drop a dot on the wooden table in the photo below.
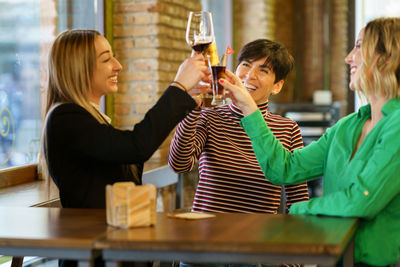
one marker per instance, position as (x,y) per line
(235,238)
(51,232)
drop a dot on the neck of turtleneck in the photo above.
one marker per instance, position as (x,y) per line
(236,111)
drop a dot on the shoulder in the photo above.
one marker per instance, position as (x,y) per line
(391,124)
(67,107)
(394,118)
(275,119)
(68,111)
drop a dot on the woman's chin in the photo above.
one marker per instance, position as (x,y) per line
(352,86)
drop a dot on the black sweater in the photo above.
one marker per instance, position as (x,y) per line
(84,155)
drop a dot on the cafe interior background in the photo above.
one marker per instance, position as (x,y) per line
(148,38)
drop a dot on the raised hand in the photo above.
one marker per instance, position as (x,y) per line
(191,71)
(238,93)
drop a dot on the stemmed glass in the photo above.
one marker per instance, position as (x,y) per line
(199,31)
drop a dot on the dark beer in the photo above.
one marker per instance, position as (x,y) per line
(207,99)
(218,72)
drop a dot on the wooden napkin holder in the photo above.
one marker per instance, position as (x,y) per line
(129,205)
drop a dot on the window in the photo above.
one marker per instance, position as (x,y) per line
(27,28)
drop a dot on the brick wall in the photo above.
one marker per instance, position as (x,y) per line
(339,73)
(149,41)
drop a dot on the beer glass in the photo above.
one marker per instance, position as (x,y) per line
(218,72)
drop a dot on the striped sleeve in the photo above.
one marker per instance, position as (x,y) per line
(298,192)
(187,143)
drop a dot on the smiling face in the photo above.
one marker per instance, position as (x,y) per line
(354,59)
(107,67)
(259,79)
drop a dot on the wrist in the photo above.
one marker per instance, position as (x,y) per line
(249,109)
(179,85)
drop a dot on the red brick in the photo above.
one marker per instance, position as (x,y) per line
(118,19)
(143,108)
(145,88)
(137,53)
(120,43)
(122,109)
(142,18)
(134,31)
(138,76)
(127,122)
(125,98)
(123,87)
(135,7)
(145,64)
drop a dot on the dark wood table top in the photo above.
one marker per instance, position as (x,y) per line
(51,227)
(241,234)
(238,233)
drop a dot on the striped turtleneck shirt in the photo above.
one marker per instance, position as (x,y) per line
(230,178)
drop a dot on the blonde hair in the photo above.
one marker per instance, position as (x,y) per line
(379,73)
(71,63)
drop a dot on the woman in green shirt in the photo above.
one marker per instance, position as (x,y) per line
(359,157)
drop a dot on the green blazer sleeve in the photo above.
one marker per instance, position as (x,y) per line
(358,187)
(374,186)
(278,164)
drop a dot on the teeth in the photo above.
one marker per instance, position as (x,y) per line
(114,79)
(249,86)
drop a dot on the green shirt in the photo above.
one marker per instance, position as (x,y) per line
(367,186)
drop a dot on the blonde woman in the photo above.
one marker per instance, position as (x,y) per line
(359,157)
(82,151)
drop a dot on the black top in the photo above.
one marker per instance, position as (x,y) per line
(84,155)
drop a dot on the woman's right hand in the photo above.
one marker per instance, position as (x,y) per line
(191,71)
(238,93)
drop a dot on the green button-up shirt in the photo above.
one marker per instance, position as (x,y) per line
(366,186)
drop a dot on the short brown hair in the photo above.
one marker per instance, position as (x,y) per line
(278,57)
